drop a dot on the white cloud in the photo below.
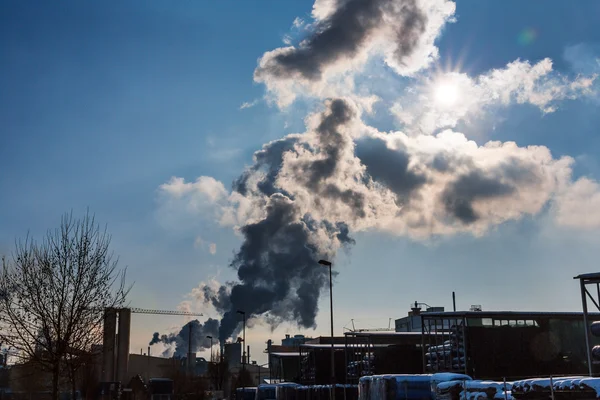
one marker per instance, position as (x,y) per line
(298,23)
(249,104)
(204,186)
(200,243)
(520,82)
(578,205)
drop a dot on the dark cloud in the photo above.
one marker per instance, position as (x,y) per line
(345,33)
(459,196)
(199,341)
(389,167)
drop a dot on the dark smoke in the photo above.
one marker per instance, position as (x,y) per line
(268,160)
(459,196)
(277,264)
(181,340)
(389,167)
(343,35)
(333,144)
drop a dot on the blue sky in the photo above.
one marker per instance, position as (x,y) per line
(101,103)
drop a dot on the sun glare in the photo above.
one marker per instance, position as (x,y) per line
(446,93)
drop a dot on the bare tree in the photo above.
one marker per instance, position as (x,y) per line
(53,293)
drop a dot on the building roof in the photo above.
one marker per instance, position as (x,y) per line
(507,314)
(322,346)
(288,354)
(382,333)
(590,276)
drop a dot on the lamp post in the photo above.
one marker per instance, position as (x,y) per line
(328,264)
(243,313)
(211,346)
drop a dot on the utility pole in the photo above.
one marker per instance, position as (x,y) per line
(328,264)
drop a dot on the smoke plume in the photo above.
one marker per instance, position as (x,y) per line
(277,264)
(346,31)
(303,194)
(181,340)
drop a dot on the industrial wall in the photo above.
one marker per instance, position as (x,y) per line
(151,367)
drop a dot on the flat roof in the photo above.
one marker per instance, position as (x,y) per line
(382,333)
(341,346)
(593,275)
(289,354)
(323,346)
(513,314)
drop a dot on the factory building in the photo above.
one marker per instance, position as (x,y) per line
(505,344)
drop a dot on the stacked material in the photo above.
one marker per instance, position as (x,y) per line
(266,392)
(323,392)
(473,390)
(450,355)
(392,387)
(444,377)
(577,388)
(573,387)
(286,391)
(246,393)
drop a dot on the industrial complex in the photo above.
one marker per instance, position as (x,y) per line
(482,345)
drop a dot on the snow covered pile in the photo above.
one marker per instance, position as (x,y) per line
(574,387)
(473,390)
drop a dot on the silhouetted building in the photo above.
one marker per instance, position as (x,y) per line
(498,344)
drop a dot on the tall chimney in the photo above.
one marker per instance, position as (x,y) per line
(123,345)
(189,358)
(108,344)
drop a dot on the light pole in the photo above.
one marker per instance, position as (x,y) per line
(328,264)
(211,346)
(243,313)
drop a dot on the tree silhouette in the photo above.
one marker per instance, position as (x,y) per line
(53,293)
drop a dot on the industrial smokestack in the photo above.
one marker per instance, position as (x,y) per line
(123,344)
(108,345)
(189,357)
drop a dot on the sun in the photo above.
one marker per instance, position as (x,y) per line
(446,93)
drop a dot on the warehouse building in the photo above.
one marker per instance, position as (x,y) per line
(505,344)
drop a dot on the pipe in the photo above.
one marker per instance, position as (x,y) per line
(454,301)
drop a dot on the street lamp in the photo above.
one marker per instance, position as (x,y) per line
(328,264)
(243,313)
(211,346)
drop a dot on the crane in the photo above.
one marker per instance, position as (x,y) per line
(164,312)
